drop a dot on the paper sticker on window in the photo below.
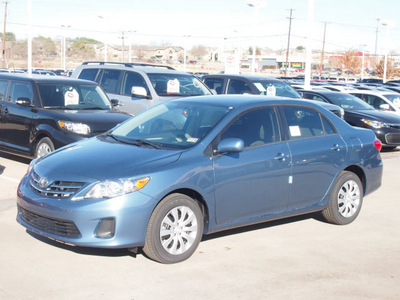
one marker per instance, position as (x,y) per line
(173,86)
(294,131)
(260,87)
(192,140)
(71,97)
(271,91)
(397,102)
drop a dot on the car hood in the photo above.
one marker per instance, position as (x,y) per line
(104,158)
(98,120)
(375,115)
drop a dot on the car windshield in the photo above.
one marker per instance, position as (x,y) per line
(177,85)
(73,96)
(275,88)
(349,102)
(172,125)
(395,98)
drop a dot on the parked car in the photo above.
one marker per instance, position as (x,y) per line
(358,113)
(140,86)
(41,113)
(383,101)
(257,85)
(247,84)
(198,165)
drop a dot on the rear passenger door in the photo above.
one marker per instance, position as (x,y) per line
(317,153)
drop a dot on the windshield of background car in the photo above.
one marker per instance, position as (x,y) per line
(275,88)
(172,125)
(349,102)
(395,98)
(73,96)
(177,85)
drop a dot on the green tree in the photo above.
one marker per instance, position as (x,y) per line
(10,37)
(43,47)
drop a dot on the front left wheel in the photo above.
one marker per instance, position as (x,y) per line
(43,147)
(175,229)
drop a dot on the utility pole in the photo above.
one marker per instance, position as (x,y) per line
(288,42)
(3,60)
(376,40)
(323,52)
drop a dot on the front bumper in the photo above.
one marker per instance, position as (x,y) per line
(119,222)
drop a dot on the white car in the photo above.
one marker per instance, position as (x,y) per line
(380,100)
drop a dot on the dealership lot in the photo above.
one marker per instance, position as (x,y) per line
(299,258)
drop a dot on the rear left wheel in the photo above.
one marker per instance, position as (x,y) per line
(346,199)
(175,229)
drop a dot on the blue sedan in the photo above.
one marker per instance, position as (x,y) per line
(194,166)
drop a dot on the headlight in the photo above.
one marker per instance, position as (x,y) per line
(31,165)
(78,128)
(374,124)
(115,188)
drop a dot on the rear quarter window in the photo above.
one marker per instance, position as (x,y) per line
(89,74)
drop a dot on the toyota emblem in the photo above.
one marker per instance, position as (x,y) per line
(43,182)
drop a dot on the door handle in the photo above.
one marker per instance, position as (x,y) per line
(335,147)
(281,156)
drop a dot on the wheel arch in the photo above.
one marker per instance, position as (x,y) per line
(360,174)
(199,199)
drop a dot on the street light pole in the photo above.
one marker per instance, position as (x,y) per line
(64,51)
(256,4)
(310,20)
(362,63)
(3,62)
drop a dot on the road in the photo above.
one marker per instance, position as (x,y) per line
(299,258)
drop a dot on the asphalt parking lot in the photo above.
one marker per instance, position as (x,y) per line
(298,258)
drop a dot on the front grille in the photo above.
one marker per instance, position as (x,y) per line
(56,189)
(50,225)
(393,138)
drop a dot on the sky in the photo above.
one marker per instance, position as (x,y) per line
(350,24)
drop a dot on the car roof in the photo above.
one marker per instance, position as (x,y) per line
(236,101)
(249,77)
(147,68)
(36,78)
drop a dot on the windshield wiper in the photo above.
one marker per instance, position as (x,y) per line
(96,107)
(147,143)
(57,107)
(136,142)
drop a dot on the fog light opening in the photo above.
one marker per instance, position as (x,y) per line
(106,228)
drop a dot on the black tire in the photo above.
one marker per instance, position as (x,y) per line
(167,239)
(43,147)
(345,201)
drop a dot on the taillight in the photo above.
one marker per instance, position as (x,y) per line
(378,145)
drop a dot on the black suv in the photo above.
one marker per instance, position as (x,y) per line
(41,113)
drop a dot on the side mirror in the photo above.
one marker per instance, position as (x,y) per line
(139,91)
(231,145)
(115,102)
(23,101)
(384,106)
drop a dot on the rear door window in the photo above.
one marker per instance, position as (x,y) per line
(110,81)
(303,122)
